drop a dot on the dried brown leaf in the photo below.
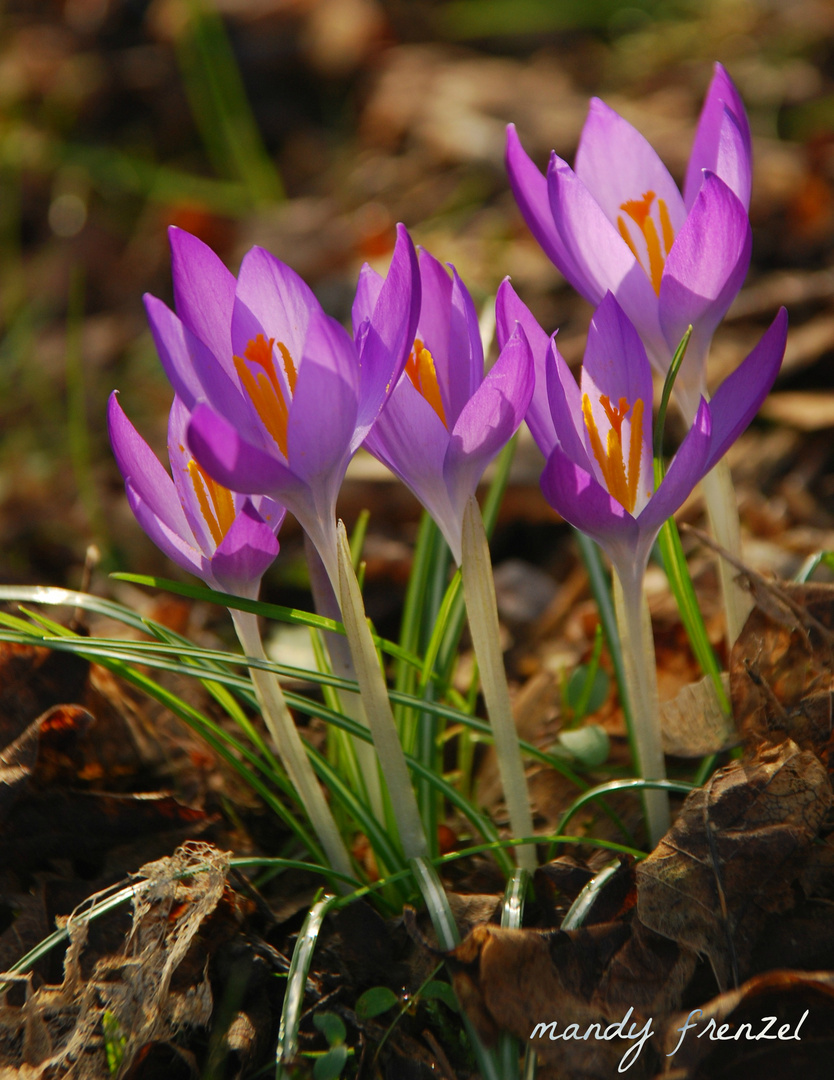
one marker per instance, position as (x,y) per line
(790,1033)
(693,722)
(733,854)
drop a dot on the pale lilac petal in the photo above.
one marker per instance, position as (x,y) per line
(271,511)
(490,418)
(322,418)
(705,269)
(722,142)
(434,323)
(616,164)
(688,466)
(193,370)
(170,542)
(367,290)
(204,291)
(529,187)
(616,366)
(509,310)
(605,259)
(180,457)
(411,440)
(566,421)
(245,554)
(271,299)
(739,397)
(385,344)
(586,504)
(466,351)
(237,464)
(138,463)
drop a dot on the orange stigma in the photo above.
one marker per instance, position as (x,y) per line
(215,502)
(621,480)
(421,370)
(264,386)
(639,210)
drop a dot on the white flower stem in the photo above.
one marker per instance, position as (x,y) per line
(377,705)
(634,625)
(290,746)
(722,509)
(341,662)
(482,611)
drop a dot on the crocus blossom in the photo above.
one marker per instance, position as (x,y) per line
(225,538)
(617,222)
(446,420)
(280,395)
(599,473)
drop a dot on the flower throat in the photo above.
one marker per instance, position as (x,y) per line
(639,210)
(621,479)
(421,370)
(264,386)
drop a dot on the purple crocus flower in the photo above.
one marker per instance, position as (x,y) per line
(226,539)
(599,473)
(280,395)
(617,222)
(446,420)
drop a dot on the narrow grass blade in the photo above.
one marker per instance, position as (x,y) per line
(302,957)
(443,922)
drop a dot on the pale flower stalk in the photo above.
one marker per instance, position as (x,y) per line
(445,421)
(228,540)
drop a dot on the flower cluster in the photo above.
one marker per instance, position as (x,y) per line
(273,397)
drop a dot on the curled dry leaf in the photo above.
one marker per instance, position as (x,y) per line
(779,1025)
(781,666)
(733,854)
(521,980)
(693,722)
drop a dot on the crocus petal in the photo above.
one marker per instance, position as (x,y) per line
(322,417)
(192,368)
(509,310)
(391,308)
(616,164)
(489,419)
(722,142)
(616,366)
(170,542)
(585,504)
(529,187)
(271,299)
(245,554)
(605,260)
(232,461)
(566,420)
(180,457)
(464,341)
(688,466)
(204,290)
(739,397)
(705,268)
(138,462)
(411,440)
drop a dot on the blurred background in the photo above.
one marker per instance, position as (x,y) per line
(313,126)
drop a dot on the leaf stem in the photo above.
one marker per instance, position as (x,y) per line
(482,610)
(290,745)
(641,685)
(377,705)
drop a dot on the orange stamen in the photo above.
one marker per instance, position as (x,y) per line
(639,211)
(421,370)
(621,481)
(264,387)
(215,502)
